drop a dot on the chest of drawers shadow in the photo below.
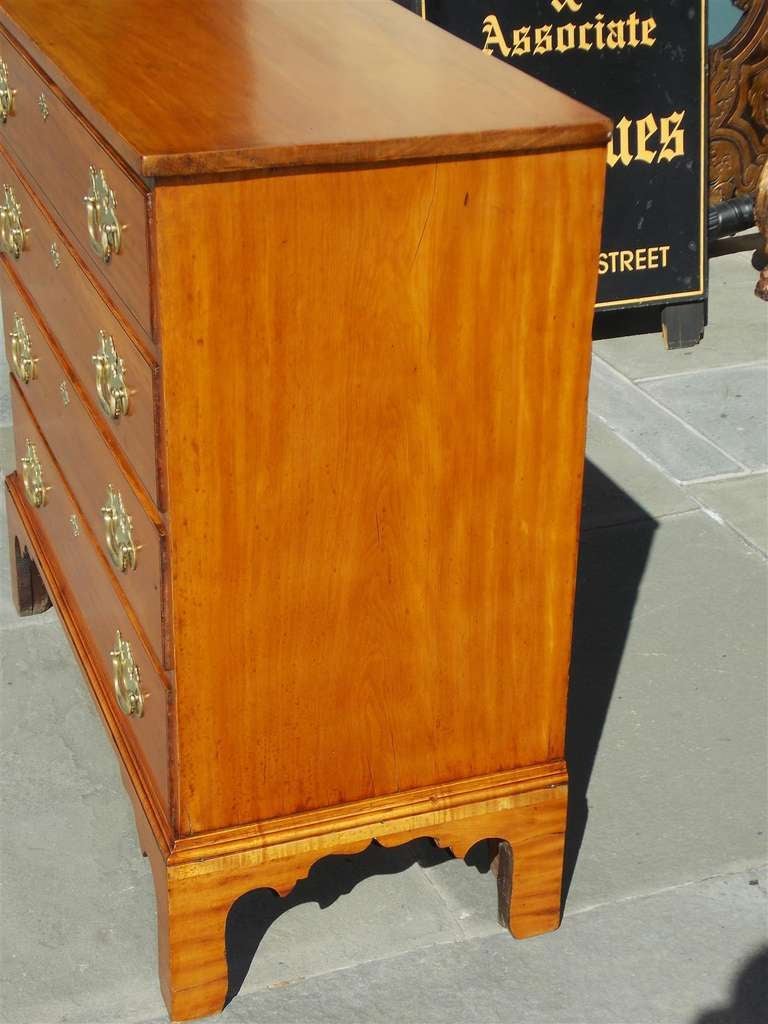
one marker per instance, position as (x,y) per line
(298,384)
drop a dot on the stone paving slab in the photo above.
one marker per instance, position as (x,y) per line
(737,331)
(648,427)
(666,733)
(7,454)
(741,502)
(692,955)
(729,406)
(668,708)
(667,799)
(621,486)
(5,397)
(77,903)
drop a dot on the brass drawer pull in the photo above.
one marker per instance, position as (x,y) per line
(110,378)
(126,679)
(104,229)
(6,93)
(13,234)
(32,475)
(24,363)
(118,534)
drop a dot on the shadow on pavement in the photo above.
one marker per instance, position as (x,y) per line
(749,998)
(254,913)
(611,566)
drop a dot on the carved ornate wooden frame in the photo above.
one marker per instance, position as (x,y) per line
(738,105)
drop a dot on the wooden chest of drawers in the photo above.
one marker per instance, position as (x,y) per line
(299,383)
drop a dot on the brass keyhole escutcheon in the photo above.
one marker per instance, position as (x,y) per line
(64,391)
(110,378)
(104,229)
(126,679)
(55,255)
(43,105)
(118,532)
(24,362)
(13,234)
(32,475)
(6,93)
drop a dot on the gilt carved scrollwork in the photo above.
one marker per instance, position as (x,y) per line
(738,105)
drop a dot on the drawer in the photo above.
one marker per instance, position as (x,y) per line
(133,543)
(88,585)
(58,150)
(78,316)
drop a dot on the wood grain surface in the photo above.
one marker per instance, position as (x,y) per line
(75,312)
(235,84)
(26,539)
(374,458)
(89,465)
(94,608)
(194,897)
(57,151)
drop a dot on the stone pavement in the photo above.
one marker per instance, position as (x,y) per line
(665,917)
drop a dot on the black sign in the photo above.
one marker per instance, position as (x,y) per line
(641,62)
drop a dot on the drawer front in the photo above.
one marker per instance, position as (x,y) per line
(78,317)
(57,150)
(133,546)
(86,578)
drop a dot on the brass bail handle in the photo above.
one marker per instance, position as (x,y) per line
(6,93)
(32,477)
(118,532)
(110,378)
(13,234)
(24,363)
(126,679)
(104,229)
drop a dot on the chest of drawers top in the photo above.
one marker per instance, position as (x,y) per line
(180,89)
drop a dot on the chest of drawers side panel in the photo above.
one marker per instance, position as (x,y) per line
(375,393)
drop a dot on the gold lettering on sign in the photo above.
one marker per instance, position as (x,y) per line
(634,140)
(566,38)
(672,137)
(617,34)
(620,134)
(543,39)
(521,41)
(646,127)
(622,261)
(494,36)
(615,40)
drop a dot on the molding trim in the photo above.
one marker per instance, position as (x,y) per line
(378,817)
